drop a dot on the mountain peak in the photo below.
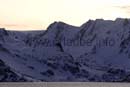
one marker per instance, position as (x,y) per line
(56,24)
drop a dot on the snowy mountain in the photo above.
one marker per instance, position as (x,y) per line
(98,50)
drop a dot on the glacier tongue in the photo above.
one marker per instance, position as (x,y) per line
(98,50)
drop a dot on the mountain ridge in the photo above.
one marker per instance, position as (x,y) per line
(98,50)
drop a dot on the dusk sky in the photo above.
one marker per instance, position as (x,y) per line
(38,14)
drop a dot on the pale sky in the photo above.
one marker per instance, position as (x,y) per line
(38,14)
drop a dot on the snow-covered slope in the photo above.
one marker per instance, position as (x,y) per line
(98,50)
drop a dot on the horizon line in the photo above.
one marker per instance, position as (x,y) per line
(25,27)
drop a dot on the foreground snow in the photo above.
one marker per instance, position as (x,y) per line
(96,51)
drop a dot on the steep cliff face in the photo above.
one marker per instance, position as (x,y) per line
(98,50)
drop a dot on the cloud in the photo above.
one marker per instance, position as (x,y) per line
(19,26)
(125,8)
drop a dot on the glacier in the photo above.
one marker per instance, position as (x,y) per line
(97,51)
